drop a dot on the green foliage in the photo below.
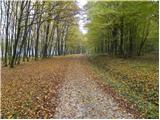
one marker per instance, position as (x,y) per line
(75,40)
(135,79)
(133,23)
(39,29)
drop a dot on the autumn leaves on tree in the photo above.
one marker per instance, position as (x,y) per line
(35,29)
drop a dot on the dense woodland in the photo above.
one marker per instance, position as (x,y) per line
(114,73)
(126,32)
(43,29)
(37,30)
(122,28)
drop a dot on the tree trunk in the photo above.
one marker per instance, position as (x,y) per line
(17,37)
(121,37)
(7,34)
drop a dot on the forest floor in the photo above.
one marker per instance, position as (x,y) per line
(135,79)
(61,87)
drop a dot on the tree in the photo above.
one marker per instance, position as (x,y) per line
(121,28)
(39,29)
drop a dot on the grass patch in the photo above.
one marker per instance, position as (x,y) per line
(136,79)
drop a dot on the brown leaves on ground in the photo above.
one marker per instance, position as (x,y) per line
(81,96)
(123,103)
(135,79)
(29,91)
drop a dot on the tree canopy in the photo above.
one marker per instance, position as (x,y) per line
(35,29)
(124,28)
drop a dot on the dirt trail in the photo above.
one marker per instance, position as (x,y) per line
(62,87)
(81,97)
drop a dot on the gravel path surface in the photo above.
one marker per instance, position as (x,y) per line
(81,97)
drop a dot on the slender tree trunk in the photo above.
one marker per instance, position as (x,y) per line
(46,41)
(23,44)
(7,34)
(18,34)
(146,33)
(37,37)
(121,37)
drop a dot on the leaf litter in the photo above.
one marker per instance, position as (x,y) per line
(60,87)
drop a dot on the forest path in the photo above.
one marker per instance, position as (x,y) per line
(81,97)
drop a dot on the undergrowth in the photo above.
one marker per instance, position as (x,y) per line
(135,79)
